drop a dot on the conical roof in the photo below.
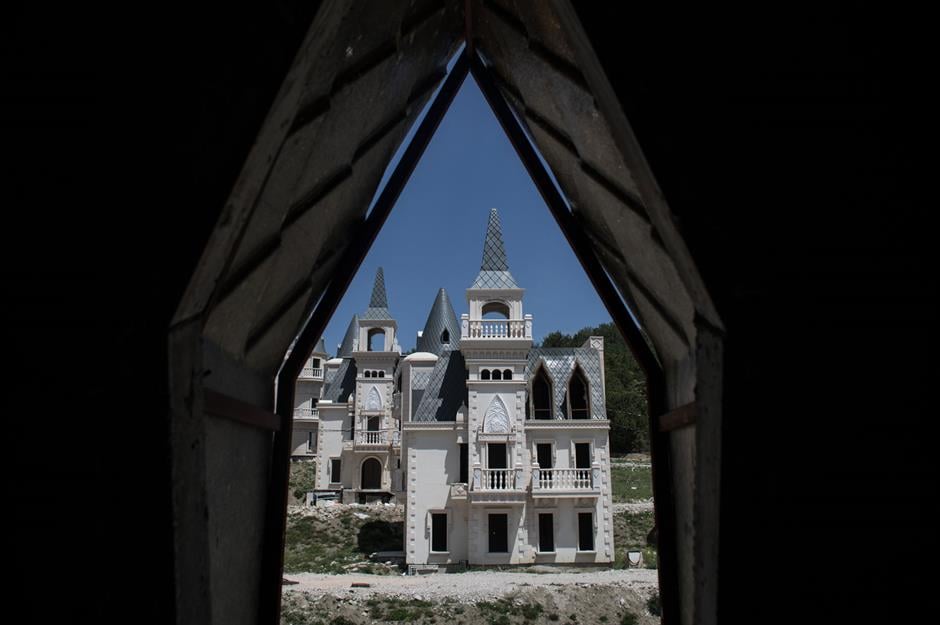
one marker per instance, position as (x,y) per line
(494,270)
(378,303)
(320,347)
(440,319)
(346,347)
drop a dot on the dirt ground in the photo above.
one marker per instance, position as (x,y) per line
(486,597)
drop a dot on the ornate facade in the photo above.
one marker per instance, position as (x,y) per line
(499,450)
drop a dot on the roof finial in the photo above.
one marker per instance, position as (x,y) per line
(494,270)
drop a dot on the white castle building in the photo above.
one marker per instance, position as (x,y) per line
(499,450)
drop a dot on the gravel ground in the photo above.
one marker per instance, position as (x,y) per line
(633,506)
(467,587)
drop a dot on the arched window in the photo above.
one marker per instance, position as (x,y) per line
(367,373)
(497,374)
(541,396)
(507,374)
(445,337)
(495,310)
(485,374)
(376,340)
(578,394)
(371,475)
(381,374)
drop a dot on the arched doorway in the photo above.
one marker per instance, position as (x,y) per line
(371,474)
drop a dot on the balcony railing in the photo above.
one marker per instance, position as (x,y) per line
(312,373)
(498,329)
(306,413)
(498,479)
(562,479)
(370,437)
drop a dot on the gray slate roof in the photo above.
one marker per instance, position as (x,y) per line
(494,270)
(559,364)
(341,383)
(349,340)
(378,303)
(446,389)
(320,347)
(441,318)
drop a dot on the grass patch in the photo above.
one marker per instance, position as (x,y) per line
(629,618)
(338,544)
(630,532)
(498,612)
(631,483)
(303,478)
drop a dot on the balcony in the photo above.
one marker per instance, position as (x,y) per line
(492,486)
(311,373)
(566,482)
(366,440)
(508,331)
(306,413)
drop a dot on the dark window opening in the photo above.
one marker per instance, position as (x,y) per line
(371,475)
(445,337)
(316,363)
(497,374)
(464,463)
(496,456)
(543,453)
(542,396)
(485,374)
(585,531)
(367,374)
(582,455)
(498,530)
(439,531)
(381,374)
(578,392)
(507,374)
(334,470)
(374,423)
(546,533)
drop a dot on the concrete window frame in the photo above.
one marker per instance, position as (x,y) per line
(573,453)
(336,462)
(578,511)
(429,524)
(507,512)
(544,441)
(538,531)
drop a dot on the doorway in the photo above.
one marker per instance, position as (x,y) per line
(371,475)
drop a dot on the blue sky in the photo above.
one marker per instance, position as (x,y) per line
(433,237)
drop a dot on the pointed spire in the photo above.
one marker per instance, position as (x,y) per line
(347,346)
(441,330)
(378,303)
(320,348)
(494,270)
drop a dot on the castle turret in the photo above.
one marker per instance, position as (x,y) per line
(441,330)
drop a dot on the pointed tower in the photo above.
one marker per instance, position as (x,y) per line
(495,338)
(350,339)
(376,326)
(441,330)
(494,299)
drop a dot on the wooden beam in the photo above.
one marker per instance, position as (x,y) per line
(678,418)
(220,405)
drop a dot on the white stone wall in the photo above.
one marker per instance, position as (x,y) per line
(333,419)
(433,464)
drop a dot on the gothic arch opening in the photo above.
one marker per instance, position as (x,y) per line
(541,395)
(638,261)
(579,401)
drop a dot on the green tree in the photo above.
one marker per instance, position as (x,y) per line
(625,386)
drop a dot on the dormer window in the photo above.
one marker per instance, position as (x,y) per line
(445,337)
(541,396)
(578,395)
